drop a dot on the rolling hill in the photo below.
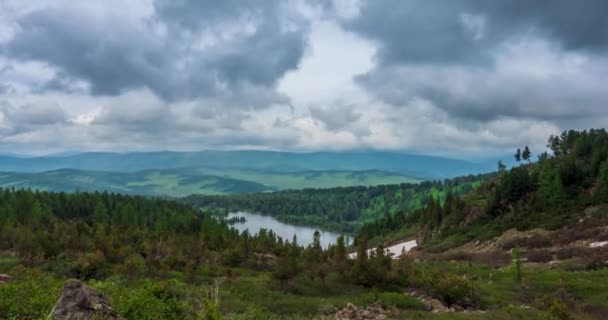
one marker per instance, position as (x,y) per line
(418,166)
(183,182)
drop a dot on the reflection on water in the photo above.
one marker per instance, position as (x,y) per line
(254,222)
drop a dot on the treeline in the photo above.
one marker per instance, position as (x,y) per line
(344,209)
(88,235)
(407,213)
(549,193)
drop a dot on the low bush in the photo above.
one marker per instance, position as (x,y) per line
(539,256)
(572,252)
(537,241)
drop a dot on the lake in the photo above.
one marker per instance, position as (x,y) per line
(254,222)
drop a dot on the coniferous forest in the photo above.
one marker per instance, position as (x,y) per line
(523,242)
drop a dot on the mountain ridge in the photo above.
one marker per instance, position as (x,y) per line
(413,165)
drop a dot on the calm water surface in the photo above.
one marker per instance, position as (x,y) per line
(255,222)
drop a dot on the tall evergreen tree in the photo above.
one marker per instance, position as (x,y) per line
(526,154)
(501,166)
(517,155)
(550,188)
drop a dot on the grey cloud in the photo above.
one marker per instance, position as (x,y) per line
(483,95)
(481,60)
(27,116)
(438,31)
(115,54)
(5,88)
(335,117)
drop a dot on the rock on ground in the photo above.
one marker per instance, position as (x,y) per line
(4,278)
(372,312)
(79,302)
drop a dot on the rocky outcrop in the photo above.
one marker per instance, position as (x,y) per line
(79,302)
(372,312)
(5,278)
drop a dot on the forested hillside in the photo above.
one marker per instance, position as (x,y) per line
(551,193)
(340,209)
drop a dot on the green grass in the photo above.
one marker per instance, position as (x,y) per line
(7,263)
(172,296)
(311,179)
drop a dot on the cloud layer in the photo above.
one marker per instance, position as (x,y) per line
(459,78)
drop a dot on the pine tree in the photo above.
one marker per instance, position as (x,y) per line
(525,155)
(517,155)
(501,166)
(100,214)
(360,271)
(601,195)
(339,254)
(550,188)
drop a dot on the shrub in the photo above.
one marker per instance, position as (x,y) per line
(512,243)
(539,256)
(253,313)
(492,258)
(29,299)
(452,289)
(537,241)
(572,252)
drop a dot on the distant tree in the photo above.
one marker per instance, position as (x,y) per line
(550,187)
(360,270)
(525,155)
(601,194)
(339,254)
(285,270)
(100,214)
(554,145)
(517,155)
(501,166)
(543,156)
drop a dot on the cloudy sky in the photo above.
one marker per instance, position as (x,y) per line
(459,77)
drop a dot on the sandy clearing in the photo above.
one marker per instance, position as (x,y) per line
(394,250)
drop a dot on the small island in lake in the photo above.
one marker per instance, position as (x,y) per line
(235,220)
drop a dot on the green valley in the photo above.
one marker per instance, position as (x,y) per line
(184,182)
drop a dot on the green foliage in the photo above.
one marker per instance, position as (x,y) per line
(516,261)
(557,311)
(549,194)
(32,298)
(254,313)
(551,189)
(341,209)
(601,195)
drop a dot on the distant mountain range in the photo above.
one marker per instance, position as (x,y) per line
(420,166)
(223,172)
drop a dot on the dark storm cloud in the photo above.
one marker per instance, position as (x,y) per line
(465,31)
(115,54)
